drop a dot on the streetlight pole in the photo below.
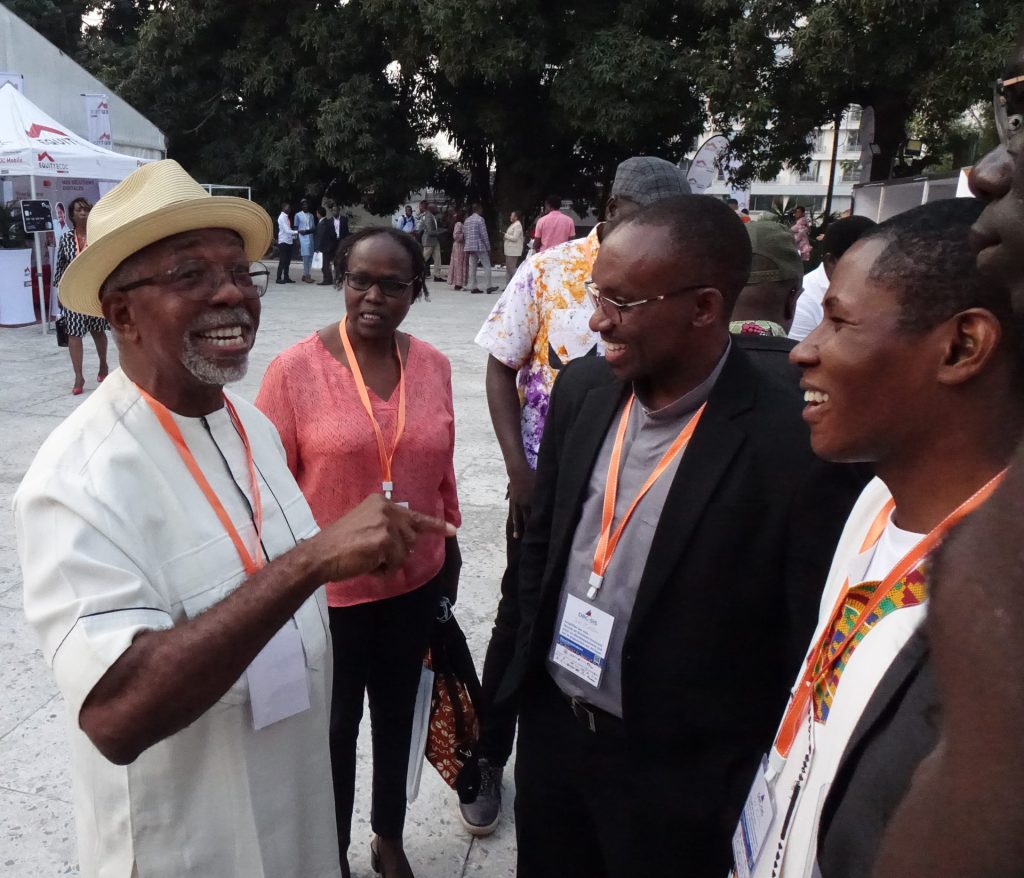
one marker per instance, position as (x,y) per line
(832,168)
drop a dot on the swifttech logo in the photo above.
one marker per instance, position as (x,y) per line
(47,162)
(38,129)
(49,136)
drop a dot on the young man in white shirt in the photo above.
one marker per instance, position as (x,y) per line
(962,815)
(285,242)
(915,369)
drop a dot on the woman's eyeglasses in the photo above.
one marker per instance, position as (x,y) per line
(390,288)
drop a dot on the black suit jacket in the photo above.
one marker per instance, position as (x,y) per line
(326,240)
(898,729)
(771,353)
(729,594)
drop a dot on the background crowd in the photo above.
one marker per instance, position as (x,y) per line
(712,648)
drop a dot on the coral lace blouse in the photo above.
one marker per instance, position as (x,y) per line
(332,452)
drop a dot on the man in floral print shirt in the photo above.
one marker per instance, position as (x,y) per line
(539,324)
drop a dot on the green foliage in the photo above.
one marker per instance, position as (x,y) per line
(292,99)
(60,21)
(783,67)
(537,97)
(958,143)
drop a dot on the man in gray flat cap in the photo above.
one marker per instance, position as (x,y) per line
(539,324)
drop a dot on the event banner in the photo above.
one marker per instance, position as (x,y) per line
(97,111)
(60,192)
(15,79)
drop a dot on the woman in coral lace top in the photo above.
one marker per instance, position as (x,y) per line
(380,625)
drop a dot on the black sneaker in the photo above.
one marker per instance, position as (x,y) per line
(481,816)
(477,292)
(491,290)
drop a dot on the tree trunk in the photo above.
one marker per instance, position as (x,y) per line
(832,168)
(515,188)
(892,112)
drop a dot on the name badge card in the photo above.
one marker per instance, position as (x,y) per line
(583,637)
(755,823)
(278,687)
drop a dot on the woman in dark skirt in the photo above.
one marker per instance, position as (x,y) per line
(71,243)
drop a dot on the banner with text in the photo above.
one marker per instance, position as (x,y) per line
(97,111)
(15,79)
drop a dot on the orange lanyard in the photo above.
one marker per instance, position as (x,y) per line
(387,481)
(818,667)
(251,563)
(79,247)
(608,541)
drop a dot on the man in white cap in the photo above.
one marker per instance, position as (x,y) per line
(172,568)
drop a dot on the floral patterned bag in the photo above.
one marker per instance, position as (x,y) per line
(454,730)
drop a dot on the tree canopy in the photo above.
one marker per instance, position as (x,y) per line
(537,97)
(783,68)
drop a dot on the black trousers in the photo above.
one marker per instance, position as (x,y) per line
(284,261)
(498,721)
(378,649)
(328,277)
(597,805)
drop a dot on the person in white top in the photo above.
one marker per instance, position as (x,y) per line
(914,370)
(840,236)
(305,226)
(513,245)
(285,243)
(172,568)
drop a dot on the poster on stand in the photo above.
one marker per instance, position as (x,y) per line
(60,192)
(97,111)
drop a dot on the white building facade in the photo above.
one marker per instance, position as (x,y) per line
(808,188)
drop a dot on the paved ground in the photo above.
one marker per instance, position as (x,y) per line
(37,836)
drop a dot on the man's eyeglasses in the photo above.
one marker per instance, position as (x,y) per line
(614,309)
(1009,125)
(390,288)
(199,279)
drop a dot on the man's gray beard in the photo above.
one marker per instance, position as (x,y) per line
(202,368)
(211,373)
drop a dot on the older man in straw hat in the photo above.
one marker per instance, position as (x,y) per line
(198,707)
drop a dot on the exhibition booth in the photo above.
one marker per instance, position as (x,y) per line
(42,159)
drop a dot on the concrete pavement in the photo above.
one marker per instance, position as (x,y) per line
(37,834)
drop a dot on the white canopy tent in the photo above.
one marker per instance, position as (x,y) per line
(37,148)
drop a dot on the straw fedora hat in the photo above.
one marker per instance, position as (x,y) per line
(156,201)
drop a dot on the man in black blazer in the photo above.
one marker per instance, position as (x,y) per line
(898,729)
(329,232)
(712,590)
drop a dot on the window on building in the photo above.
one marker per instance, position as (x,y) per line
(853,115)
(811,174)
(853,139)
(849,172)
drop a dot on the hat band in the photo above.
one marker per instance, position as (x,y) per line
(767,277)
